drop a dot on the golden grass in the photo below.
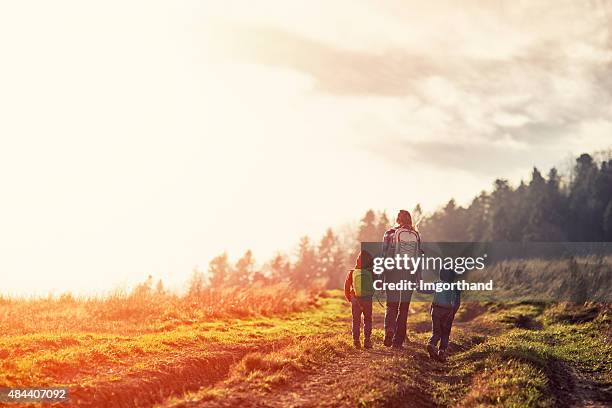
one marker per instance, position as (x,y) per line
(74,355)
(145,310)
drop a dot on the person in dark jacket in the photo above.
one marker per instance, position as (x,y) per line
(361,299)
(443,308)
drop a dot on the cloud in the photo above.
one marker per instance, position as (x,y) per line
(501,90)
(335,71)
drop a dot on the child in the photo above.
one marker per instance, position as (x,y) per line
(443,308)
(358,290)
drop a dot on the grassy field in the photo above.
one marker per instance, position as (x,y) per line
(298,352)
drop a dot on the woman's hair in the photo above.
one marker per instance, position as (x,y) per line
(404,219)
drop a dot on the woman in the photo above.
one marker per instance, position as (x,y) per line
(398,302)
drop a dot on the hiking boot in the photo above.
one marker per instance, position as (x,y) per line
(357,344)
(432,352)
(442,355)
(367,343)
(388,341)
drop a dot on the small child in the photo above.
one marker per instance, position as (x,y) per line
(358,290)
(443,308)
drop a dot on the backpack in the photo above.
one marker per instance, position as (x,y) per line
(406,241)
(363,282)
(447,298)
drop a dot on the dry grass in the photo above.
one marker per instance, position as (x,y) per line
(140,354)
(578,280)
(144,310)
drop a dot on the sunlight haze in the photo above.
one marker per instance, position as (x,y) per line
(146,137)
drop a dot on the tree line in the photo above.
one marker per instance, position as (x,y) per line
(557,207)
(321,263)
(574,207)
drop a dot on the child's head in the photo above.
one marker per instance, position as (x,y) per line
(447,275)
(459,253)
(364,260)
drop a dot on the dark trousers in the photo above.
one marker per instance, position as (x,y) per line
(441,324)
(359,307)
(396,318)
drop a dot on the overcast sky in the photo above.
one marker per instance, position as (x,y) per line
(146,137)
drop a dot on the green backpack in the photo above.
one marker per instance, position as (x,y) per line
(363,283)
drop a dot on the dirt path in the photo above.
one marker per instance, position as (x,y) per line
(378,377)
(384,377)
(330,383)
(341,383)
(392,379)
